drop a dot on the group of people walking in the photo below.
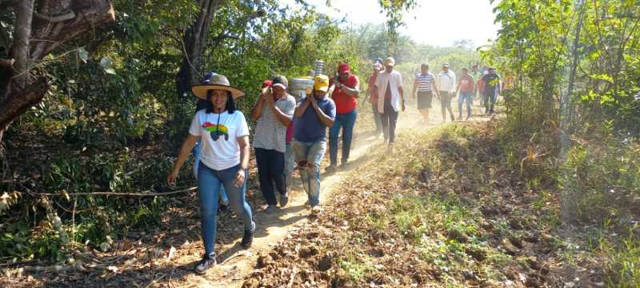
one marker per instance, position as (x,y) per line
(292,132)
(446,86)
(288,132)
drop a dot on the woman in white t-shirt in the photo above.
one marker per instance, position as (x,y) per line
(224,136)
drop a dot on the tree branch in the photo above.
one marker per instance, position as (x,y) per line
(19,100)
(142,194)
(223,36)
(55,19)
(85,20)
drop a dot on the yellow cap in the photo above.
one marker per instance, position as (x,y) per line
(321,82)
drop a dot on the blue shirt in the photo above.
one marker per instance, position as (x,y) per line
(309,128)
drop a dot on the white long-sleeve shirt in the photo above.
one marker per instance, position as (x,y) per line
(393,81)
(447,81)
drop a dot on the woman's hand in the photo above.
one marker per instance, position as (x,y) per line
(185,150)
(239,180)
(171,178)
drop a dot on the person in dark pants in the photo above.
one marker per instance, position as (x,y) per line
(346,89)
(373,98)
(491,90)
(390,99)
(273,113)
(224,160)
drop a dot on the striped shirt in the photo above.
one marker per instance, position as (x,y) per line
(425,81)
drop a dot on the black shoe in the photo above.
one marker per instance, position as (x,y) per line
(247,238)
(284,199)
(204,264)
(271,209)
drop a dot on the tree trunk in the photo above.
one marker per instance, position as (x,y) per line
(194,41)
(193,44)
(37,33)
(20,47)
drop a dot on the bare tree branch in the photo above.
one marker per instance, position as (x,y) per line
(55,19)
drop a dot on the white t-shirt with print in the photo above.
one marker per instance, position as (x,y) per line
(219,137)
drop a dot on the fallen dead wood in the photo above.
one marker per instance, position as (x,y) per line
(147,193)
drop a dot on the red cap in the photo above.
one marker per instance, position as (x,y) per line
(266,83)
(343,68)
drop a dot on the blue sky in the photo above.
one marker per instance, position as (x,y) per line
(434,22)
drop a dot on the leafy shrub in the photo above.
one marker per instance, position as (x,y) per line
(602,181)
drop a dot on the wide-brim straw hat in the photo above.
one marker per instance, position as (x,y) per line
(213,81)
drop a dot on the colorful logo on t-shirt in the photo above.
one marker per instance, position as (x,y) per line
(216,130)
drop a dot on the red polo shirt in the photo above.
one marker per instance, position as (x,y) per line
(345,103)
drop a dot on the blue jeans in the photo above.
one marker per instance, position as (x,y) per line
(308,156)
(346,121)
(465,97)
(224,199)
(289,164)
(209,182)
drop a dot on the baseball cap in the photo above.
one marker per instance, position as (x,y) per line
(321,82)
(280,81)
(344,68)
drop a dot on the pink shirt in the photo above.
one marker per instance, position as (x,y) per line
(289,133)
